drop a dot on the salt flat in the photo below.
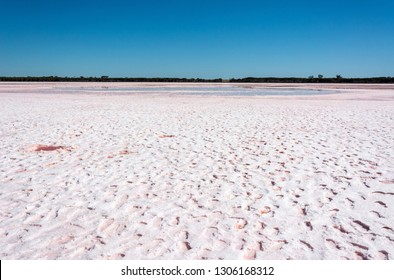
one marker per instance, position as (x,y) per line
(93,175)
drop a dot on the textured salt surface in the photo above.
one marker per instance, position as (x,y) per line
(134,177)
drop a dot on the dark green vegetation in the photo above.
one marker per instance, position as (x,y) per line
(310,79)
(319,79)
(107,79)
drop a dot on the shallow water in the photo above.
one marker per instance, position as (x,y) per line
(197,90)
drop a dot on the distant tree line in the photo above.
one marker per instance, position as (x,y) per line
(319,79)
(106,79)
(310,79)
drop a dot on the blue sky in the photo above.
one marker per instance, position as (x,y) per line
(203,38)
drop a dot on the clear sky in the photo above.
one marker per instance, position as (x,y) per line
(205,39)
